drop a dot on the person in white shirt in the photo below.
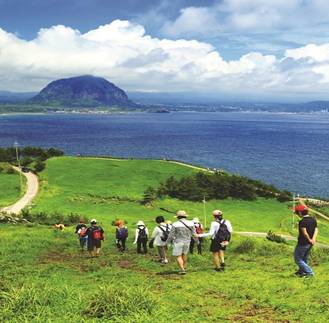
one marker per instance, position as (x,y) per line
(220,233)
(141,237)
(180,235)
(159,236)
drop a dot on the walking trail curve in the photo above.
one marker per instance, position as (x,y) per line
(287,237)
(32,184)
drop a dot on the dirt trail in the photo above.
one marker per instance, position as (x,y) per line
(304,200)
(32,187)
(287,237)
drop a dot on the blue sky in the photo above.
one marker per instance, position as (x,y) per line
(234,48)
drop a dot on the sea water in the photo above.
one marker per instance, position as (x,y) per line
(287,150)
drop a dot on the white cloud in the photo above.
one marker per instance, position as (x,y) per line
(246,16)
(125,55)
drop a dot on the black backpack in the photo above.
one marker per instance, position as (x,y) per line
(222,233)
(142,233)
(165,233)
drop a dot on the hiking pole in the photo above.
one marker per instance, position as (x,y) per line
(204,211)
(293,210)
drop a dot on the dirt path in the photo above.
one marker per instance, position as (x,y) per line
(287,237)
(304,200)
(32,184)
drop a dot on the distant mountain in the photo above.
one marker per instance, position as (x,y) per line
(8,97)
(82,91)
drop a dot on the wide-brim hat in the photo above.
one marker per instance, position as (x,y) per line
(181,214)
(217,212)
(196,220)
(139,223)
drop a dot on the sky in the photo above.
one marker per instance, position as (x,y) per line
(231,49)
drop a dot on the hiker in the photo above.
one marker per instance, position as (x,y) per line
(180,235)
(141,237)
(95,235)
(308,231)
(220,233)
(198,241)
(160,236)
(121,235)
(81,231)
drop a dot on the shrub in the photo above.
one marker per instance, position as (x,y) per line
(246,246)
(121,302)
(275,237)
(39,166)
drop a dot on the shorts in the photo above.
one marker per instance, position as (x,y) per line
(215,246)
(180,248)
(92,244)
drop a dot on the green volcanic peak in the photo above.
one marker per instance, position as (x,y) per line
(82,91)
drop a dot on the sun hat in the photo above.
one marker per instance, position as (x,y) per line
(217,212)
(181,214)
(196,220)
(140,223)
(93,221)
(300,208)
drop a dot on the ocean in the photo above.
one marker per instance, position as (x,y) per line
(287,150)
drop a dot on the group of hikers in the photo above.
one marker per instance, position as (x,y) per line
(183,235)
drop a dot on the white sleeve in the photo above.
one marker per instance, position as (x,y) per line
(229,226)
(212,231)
(136,235)
(154,233)
(147,231)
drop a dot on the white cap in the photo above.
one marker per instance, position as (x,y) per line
(93,221)
(140,223)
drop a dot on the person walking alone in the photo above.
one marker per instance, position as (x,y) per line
(308,231)
(141,237)
(220,233)
(180,235)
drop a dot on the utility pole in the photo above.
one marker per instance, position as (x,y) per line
(204,212)
(19,166)
(293,210)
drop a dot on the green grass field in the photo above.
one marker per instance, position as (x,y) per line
(9,187)
(45,278)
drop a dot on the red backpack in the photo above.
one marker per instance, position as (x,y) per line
(198,229)
(82,232)
(97,234)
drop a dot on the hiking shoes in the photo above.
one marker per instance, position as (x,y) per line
(218,269)
(182,272)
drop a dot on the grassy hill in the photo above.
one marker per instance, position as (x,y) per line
(9,186)
(107,189)
(44,277)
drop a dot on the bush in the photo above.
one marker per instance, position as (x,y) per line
(39,166)
(275,237)
(121,303)
(246,246)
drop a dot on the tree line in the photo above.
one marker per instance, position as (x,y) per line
(214,186)
(33,157)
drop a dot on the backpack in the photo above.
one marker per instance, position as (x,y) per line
(198,229)
(142,233)
(82,232)
(97,234)
(165,233)
(122,233)
(222,233)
